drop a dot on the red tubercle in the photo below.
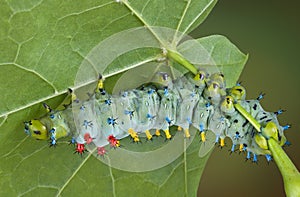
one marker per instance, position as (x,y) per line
(113,141)
(80,148)
(87,137)
(101,151)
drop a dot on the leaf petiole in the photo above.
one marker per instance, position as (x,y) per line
(288,170)
(180,59)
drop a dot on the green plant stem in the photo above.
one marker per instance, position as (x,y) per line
(289,172)
(180,59)
(248,116)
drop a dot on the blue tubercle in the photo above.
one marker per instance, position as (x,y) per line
(73,141)
(233,148)
(278,112)
(27,131)
(107,102)
(217,139)
(193,94)
(248,155)
(237,136)
(201,127)
(87,123)
(53,142)
(111,121)
(149,116)
(130,113)
(151,91)
(82,107)
(125,94)
(166,91)
(189,120)
(287,143)
(260,96)
(268,157)
(254,158)
(169,121)
(286,127)
(52,137)
(52,131)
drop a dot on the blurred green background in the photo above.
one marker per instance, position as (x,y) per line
(269,31)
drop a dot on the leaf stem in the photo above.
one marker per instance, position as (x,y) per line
(180,59)
(248,116)
(289,172)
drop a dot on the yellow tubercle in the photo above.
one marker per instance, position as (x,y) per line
(179,128)
(187,133)
(241,148)
(168,135)
(203,138)
(157,132)
(222,142)
(148,135)
(134,135)
(136,139)
(100,85)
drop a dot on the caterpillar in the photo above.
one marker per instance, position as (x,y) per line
(201,101)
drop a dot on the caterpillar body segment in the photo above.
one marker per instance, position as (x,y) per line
(199,100)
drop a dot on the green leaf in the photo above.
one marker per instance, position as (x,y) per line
(43,47)
(215,53)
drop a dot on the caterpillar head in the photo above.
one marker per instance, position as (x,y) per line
(41,128)
(36,129)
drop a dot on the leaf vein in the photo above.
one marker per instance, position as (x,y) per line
(196,18)
(75,172)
